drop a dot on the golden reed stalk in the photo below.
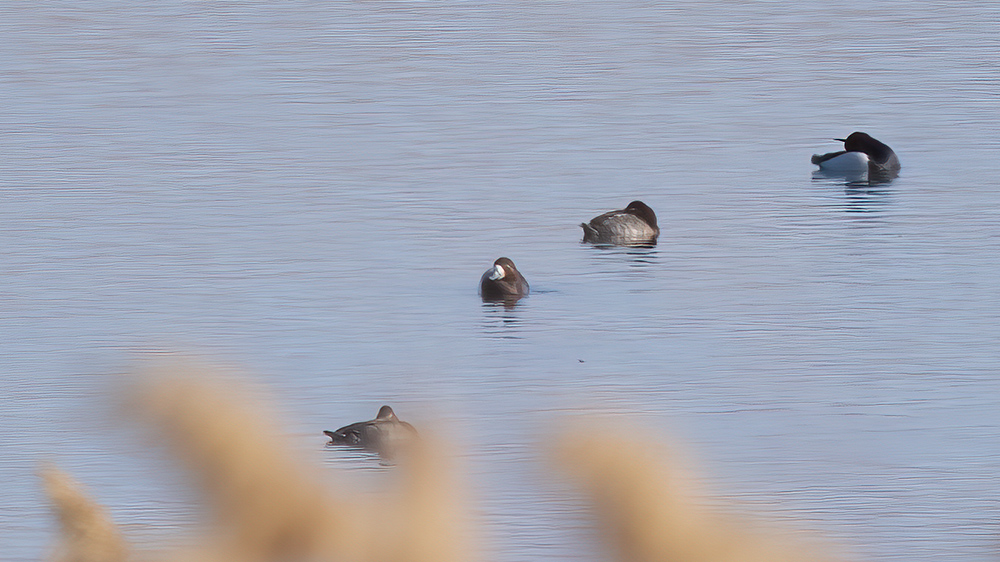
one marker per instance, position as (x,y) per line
(268,503)
(271,504)
(649,510)
(88,534)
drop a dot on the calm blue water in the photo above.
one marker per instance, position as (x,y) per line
(312,190)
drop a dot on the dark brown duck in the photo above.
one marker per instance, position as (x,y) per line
(503,282)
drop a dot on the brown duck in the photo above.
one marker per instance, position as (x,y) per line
(383,435)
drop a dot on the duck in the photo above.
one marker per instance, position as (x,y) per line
(503,282)
(862,153)
(383,435)
(635,225)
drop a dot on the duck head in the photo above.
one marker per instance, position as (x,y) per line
(503,268)
(385,413)
(642,210)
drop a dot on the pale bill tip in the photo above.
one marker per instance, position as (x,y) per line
(497,273)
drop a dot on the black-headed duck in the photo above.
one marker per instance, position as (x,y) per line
(861,154)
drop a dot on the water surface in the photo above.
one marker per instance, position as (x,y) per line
(312,190)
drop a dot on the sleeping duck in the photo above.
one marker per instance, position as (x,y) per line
(862,154)
(383,435)
(635,225)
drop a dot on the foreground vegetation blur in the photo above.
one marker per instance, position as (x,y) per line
(269,503)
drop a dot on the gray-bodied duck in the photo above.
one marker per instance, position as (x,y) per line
(383,435)
(635,225)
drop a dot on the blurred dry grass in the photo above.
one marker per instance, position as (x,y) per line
(268,503)
(88,534)
(649,508)
(271,504)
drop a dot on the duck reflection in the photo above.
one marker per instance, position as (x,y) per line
(861,195)
(865,199)
(854,179)
(499,320)
(637,257)
(641,256)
